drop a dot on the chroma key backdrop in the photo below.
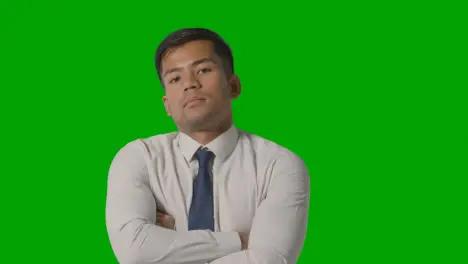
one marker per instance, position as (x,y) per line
(370,95)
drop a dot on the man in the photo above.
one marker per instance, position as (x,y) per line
(209,193)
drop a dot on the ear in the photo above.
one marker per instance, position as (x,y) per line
(166,105)
(235,86)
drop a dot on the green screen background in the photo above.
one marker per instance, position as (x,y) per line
(371,96)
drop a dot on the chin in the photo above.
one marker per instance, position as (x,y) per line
(200,122)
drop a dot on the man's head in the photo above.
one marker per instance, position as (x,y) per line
(196,69)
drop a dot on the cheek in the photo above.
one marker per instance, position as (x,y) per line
(213,79)
(173,103)
(215,87)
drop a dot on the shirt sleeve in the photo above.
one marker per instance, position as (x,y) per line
(280,223)
(131,218)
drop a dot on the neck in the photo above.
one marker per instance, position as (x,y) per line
(206,136)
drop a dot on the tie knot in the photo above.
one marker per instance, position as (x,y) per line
(204,156)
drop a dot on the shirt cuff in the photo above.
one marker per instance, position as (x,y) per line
(228,241)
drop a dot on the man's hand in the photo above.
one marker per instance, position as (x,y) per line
(165,220)
(244,237)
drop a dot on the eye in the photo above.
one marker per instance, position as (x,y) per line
(204,70)
(175,79)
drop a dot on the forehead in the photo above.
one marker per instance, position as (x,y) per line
(187,53)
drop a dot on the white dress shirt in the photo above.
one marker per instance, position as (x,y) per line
(259,187)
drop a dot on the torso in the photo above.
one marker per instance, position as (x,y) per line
(240,181)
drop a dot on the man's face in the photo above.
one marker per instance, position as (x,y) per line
(198,91)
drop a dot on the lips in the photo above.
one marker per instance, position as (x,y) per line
(192,99)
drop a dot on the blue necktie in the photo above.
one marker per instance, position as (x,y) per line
(201,210)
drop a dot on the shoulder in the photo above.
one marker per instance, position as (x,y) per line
(281,159)
(146,148)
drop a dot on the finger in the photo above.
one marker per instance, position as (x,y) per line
(166,218)
(163,215)
(162,225)
(160,216)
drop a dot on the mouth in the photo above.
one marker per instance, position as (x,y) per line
(193,99)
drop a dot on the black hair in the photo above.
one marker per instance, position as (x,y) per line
(185,35)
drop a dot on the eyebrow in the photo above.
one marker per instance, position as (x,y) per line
(195,63)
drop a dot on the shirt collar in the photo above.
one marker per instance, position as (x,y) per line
(221,146)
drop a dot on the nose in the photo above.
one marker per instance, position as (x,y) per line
(191,82)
